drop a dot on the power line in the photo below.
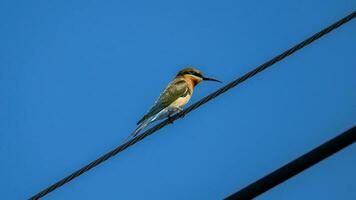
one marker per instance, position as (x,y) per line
(195,105)
(296,166)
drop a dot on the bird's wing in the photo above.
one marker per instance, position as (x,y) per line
(177,88)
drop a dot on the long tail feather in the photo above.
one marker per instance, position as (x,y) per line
(141,126)
(146,121)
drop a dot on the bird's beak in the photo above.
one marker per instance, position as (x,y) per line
(211,79)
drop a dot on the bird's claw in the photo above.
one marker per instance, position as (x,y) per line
(170,119)
(181,115)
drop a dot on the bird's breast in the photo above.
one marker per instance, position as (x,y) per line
(181,101)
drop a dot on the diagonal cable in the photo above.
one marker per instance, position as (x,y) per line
(296,166)
(195,105)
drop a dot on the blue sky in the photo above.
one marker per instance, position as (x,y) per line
(75,76)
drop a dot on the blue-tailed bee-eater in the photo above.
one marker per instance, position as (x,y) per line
(174,97)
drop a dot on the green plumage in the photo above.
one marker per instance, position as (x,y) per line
(177,88)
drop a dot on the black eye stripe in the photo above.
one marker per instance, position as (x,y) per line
(198,75)
(194,73)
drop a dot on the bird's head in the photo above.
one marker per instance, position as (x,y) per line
(195,75)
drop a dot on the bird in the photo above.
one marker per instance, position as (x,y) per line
(173,98)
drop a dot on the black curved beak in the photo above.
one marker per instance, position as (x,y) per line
(211,79)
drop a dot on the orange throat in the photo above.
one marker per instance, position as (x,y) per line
(192,81)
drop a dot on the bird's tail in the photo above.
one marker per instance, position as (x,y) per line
(146,121)
(139,128)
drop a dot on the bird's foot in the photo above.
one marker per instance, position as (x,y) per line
(170,119)
(181,114)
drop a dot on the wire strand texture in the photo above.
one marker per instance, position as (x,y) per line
(296,166)
(195,105)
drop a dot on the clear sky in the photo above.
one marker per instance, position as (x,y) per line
(75,76)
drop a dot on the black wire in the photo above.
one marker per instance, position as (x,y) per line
(194,106)
(296,166)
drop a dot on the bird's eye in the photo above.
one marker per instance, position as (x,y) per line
(196,74)
(191,73)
